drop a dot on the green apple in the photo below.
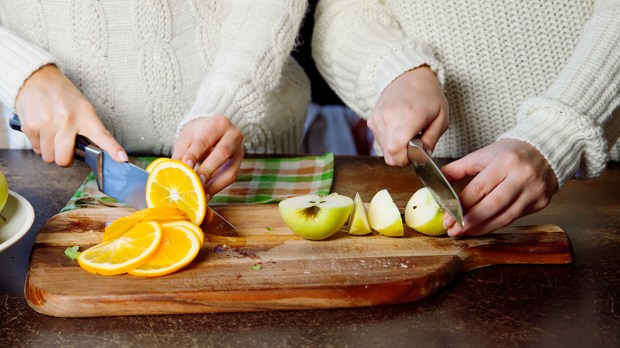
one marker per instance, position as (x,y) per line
(424,214)
(316,217)
(358,222)
(384,216)
(4,190)
(4,193)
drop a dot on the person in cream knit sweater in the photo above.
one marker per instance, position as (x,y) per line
(529,89)
(201,81)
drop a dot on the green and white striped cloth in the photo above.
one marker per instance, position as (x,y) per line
(269,180)
(260,180)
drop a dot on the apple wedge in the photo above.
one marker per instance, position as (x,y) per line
(384,216)
(316,217)
(358,222)
(424,214)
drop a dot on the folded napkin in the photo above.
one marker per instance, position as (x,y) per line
(260,180)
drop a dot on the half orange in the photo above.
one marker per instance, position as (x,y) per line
(173,183)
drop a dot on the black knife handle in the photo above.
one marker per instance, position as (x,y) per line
(15,124)
(81,142)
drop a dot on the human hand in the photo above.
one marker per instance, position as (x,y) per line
(215,142)
(53,112)
(412,103)
(511,179)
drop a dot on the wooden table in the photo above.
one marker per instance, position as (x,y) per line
(559,306)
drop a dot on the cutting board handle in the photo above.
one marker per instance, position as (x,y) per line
(539,244)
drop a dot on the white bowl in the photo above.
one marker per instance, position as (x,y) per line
(19,216)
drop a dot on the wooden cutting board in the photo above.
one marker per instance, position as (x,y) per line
(267,267)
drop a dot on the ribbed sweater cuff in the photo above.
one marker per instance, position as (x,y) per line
(399,59)
(387,63)
(221,99)
(366,61)
(569,140)
(18,60)
(268,125)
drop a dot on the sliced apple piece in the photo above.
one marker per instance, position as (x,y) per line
(358,222)
(384,216)
(316,217)
(424,214)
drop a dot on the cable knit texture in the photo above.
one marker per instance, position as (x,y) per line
(151,67)
(545,72)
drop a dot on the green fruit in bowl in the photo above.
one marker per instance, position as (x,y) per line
(316,217)
(4,190)
(4,194)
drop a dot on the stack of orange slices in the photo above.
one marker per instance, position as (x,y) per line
(160,239)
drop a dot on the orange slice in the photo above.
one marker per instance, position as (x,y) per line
(125,223)
(122,254)
(195,228)
(155,162)
(173,183)
(179,246)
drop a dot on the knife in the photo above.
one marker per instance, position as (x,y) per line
(126,182)
(433,178)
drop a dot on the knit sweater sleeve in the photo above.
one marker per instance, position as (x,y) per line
(255,42)
(19,58)
(359,48)
(570,123)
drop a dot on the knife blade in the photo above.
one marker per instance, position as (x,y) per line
(430,175)
(126,182)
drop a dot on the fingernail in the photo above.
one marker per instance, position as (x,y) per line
(456,230)
(453,232)
(203,180)
(122,156)
(190,163)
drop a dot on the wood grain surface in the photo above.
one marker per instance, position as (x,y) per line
(267,267)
